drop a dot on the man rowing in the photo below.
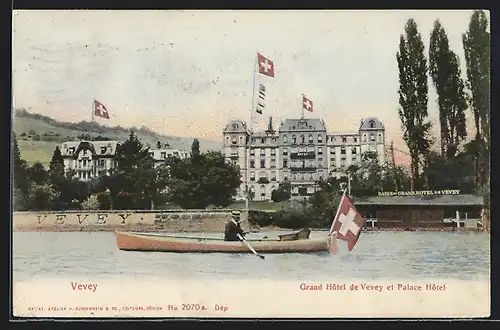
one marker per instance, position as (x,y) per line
(233,227)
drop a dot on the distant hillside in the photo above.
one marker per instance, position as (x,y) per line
(39,135)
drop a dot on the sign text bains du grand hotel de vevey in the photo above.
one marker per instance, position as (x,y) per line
(419,193)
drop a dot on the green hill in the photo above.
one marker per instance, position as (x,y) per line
(39,135)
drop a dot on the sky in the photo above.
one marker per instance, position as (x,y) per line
(187,73)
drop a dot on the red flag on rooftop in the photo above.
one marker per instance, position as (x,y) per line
(100,110)
(307,104)
(348,223)
(266,66)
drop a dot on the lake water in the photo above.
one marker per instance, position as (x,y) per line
(377,255)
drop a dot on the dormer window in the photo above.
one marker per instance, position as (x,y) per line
(310,138)
(372,124)
(294,139)
(103,150)
(235,126)
(344,139)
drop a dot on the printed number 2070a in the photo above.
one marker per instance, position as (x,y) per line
(193,307)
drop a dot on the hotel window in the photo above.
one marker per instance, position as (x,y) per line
(285,151)
(273,176)
(164,154)
(294,139)
(372,137)
(262,152)
(152,154)
(273,163)
(241,139)
(263,141)
(372,124)
(252,176)
(285,139)
(342,151)
(342,163)
(310,138)
(320,138)
(103,150)
(273,152)
(311,177)
(379,137)
(84,163)
(252,152)
(332,160)
(262,163)
(72,150)
(344,139)
(364,137)
(285,163)
(102,162)
(252,163)
(320,150)
(354,150)
(233,140)
(333,138)
(302,139)
(355,140)
(332,151)
(262,190)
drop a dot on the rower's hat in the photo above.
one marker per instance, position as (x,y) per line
(236,214)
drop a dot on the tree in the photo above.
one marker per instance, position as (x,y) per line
(195,149)
(282,193)
(476,42)
(20,179)
(445,72)
(413,97)
(203,180)
(133,183)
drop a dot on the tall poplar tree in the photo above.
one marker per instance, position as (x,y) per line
(413,97)
(476,42)
(444,68)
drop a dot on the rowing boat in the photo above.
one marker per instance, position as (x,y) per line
(133,241)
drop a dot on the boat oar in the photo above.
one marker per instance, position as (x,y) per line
(250,247)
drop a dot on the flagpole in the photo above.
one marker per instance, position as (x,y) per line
(303,106)
(251,134)
(92,121)
(338,211)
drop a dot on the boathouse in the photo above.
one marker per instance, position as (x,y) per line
(421,211)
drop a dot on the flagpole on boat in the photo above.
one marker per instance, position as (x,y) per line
(338,211)
(250,136)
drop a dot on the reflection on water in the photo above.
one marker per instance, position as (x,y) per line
(378,255)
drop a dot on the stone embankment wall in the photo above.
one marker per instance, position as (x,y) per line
(146,221)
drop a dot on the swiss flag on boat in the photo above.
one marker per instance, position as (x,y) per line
(266,66)
(347,224)
(100,110)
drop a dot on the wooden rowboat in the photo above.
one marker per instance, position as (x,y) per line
(129,241)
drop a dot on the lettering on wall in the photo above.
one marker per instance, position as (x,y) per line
(60,219)
(80,219)
(124,216)
(101,218)
(40,219)
(161,217)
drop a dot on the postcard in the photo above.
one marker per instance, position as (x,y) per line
(251,164)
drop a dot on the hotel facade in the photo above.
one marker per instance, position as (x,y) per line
(300,151)
(92,159)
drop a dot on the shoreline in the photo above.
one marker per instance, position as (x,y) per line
(212,230)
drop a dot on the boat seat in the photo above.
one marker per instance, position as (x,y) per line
(301,234)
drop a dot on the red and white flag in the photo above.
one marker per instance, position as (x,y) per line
(266,66)
(100,110)
(347,224)
(307,104)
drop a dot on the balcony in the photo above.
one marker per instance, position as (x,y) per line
(303,168)
(302,155)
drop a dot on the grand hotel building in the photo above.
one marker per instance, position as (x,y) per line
(301,150)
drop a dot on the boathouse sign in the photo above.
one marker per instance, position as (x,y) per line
(420,193)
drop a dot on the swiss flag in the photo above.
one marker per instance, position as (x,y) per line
(100,110)
(266,66)
(348,223)
(307,104)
